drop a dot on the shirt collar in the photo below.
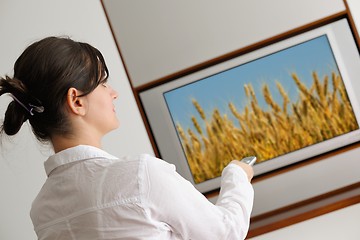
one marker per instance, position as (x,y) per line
(78,153)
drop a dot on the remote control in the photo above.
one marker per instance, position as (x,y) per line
(249,160)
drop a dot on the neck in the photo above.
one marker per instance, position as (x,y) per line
(61,143)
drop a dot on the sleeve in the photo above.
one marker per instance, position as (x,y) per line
(175,201)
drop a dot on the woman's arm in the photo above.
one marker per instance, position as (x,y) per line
(174,201)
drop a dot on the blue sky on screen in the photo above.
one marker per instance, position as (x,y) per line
(218,90)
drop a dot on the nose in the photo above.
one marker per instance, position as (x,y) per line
(114,94)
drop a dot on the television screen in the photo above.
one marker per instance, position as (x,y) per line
(283,103)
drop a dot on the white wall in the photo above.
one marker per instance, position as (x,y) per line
(21,170)
(21,162)
(342,224)
(153,32)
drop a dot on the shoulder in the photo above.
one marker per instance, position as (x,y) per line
(157,175)
(146,167)
(154,163)
(155,169)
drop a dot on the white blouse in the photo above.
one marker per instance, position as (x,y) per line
(90,194)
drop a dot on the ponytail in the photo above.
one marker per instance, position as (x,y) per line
(19,110)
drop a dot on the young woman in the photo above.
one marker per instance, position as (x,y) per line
(60,87)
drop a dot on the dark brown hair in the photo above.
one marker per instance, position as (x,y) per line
(43,74)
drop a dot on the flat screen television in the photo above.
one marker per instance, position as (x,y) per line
(284,103)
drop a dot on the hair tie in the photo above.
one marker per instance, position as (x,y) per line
(31,108)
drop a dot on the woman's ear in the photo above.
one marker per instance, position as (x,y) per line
(75,103)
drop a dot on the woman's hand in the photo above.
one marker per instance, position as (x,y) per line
(246,167)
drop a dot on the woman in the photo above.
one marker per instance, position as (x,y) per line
(60,86)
